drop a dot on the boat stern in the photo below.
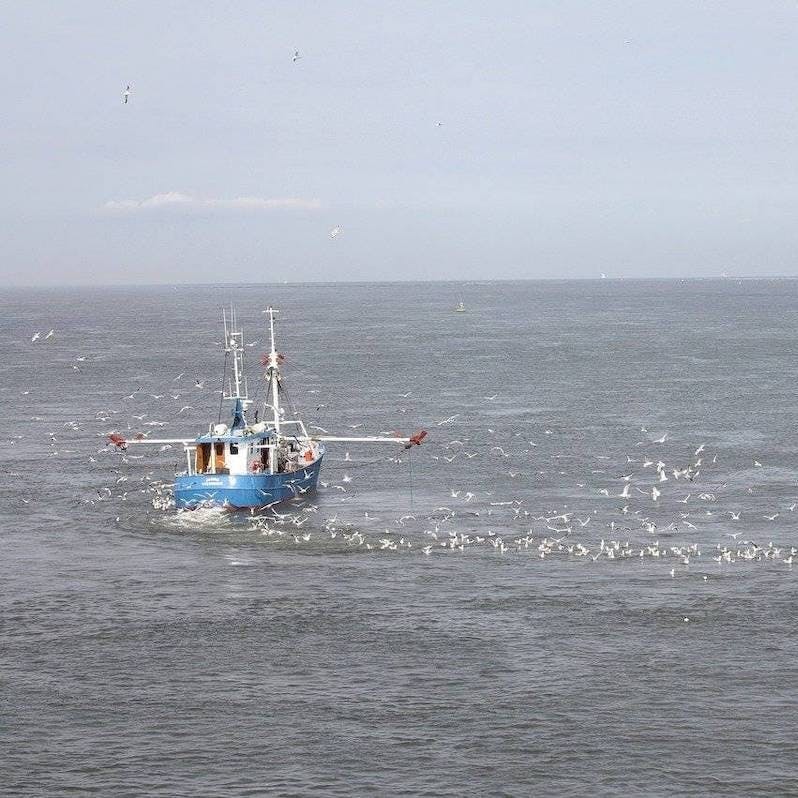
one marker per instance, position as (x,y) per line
(244,491)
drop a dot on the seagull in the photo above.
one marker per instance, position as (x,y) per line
(296,57)
(335,232)
(35,337)
(662,439)
(49,334)
(126,94)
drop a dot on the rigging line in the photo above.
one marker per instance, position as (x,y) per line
(288,401)
(258,386)
(354,465)
(221,398)
(410,467)
(266,398)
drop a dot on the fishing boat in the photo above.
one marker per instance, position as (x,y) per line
(248,463)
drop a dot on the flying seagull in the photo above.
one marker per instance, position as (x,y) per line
(296,57)
(126,94)
(335,232)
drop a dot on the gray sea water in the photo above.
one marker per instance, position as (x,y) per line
(149,652)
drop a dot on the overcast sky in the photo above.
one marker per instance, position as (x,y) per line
(632,138)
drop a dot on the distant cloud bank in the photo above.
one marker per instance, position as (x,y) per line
(176,199)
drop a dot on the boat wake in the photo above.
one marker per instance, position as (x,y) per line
(205,519)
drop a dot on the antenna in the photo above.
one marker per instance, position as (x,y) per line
(234,344)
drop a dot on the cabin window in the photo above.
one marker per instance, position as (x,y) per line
(233,448)
(218,452)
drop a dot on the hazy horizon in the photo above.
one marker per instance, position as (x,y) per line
(504,141)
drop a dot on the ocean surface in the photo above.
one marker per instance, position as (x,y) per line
(475,619)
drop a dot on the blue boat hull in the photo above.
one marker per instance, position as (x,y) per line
(244,491)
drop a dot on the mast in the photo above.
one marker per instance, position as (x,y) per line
(234,345)
(273,372)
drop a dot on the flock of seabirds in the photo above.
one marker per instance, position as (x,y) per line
(660,503)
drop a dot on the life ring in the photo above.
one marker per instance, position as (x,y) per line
(256,466)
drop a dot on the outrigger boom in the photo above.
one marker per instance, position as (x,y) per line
(253,464)
(366,439)
(326,438)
